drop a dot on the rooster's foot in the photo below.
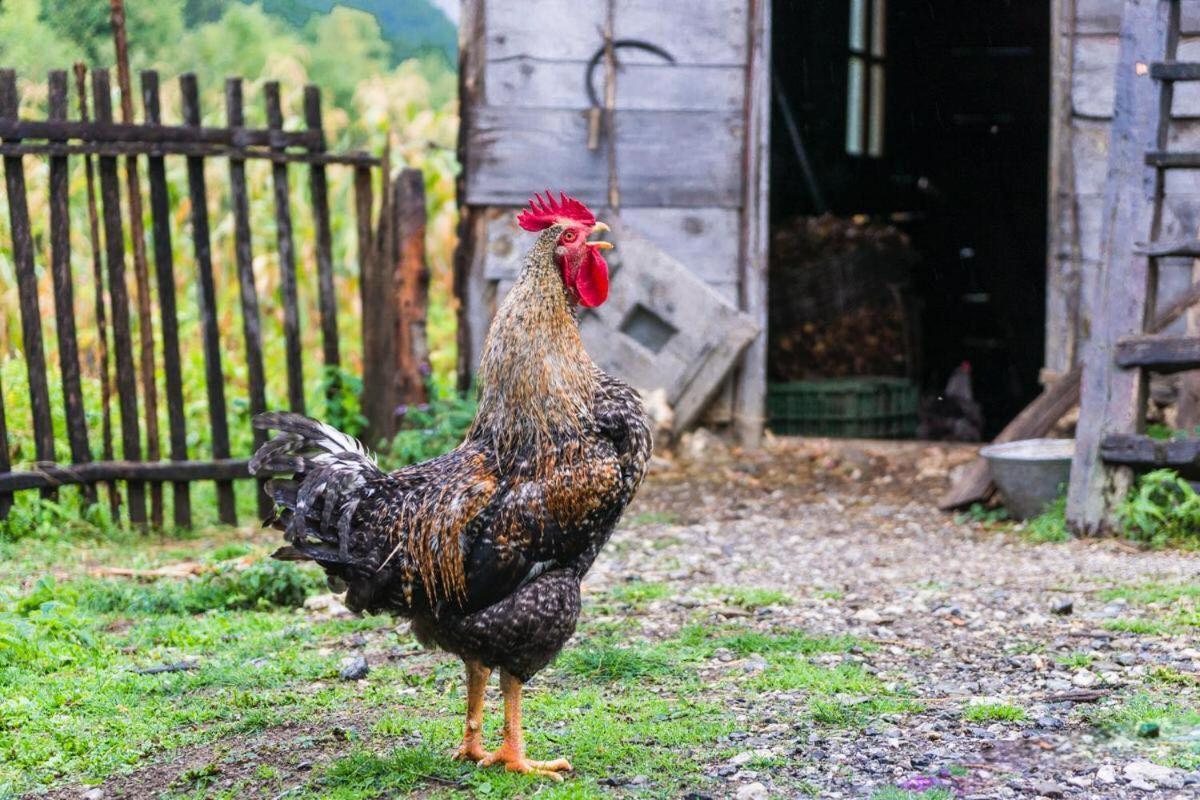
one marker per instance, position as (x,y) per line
(470,751)
(515,761)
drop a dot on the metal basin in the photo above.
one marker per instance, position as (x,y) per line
(1030,473)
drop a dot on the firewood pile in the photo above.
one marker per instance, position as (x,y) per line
(840,305)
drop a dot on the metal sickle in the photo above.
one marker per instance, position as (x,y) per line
(636,44)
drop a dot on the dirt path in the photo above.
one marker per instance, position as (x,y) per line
(958,613)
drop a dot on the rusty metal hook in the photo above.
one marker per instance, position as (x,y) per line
(635,44)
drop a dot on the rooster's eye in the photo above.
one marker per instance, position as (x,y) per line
(569,236)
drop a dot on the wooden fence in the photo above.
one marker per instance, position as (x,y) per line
(390,256)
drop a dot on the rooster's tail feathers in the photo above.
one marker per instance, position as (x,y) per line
(329,472)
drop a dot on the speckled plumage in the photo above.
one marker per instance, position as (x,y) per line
(484,547)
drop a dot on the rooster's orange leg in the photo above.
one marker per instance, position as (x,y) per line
(472,743)
(512,752)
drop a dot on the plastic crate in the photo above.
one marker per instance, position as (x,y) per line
(866,408)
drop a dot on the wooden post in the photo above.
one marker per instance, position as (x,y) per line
(1189,382)
(251,323)
(1112,400)
(377,403)
(27,294)
(319,191)
(106,446)
(410,284)
(750,398)
(6,498)
(164,263)
(64,292)
(114,242)
(141,270)
(287,258)
(207,297)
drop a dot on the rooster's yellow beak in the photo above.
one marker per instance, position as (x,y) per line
(600,227)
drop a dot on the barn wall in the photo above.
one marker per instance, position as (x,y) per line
(1084,65)
(681,133)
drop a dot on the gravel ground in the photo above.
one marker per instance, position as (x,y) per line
(959,612)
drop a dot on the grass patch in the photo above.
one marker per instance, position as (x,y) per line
(993,712)
(896,793)
(1147,627)
(705,640)
(1163,509)
(639,592)
(1078,660)
(1051,525)
(859,713)
(753,598)
(1175,720)
(1152,593)
(642,518)
(606,661)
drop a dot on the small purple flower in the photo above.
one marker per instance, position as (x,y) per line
(919,783)
(401,410)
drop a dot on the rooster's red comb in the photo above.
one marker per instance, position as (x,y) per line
(541,214)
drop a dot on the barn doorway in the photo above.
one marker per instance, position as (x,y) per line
(909,174)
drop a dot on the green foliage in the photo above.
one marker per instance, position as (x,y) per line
(33,516)
(610,662)
(1162,509)
(342,391)
(261,585)
(993,712)
(1050,525)
(429,430)
(753,598)
(983,515)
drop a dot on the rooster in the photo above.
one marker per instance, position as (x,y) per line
(483,548)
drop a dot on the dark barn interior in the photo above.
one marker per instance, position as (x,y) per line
(927,118)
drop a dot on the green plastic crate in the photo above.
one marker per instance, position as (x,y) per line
(864,408)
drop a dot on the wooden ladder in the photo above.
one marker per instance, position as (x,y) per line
(1126,338)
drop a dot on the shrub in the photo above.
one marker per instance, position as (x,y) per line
(1163,508)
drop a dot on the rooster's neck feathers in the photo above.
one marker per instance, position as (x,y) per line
(536,382)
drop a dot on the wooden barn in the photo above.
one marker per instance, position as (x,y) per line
(712,134)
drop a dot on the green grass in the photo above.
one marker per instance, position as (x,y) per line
(1051,525)
(642,518)
(752,598)
(1175,717)
(993,712)
(74,708)
(1078,660)
(1152,592)
(896,793)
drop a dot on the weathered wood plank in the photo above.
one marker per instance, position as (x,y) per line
(352,159)
(106,445)
(664,158)
(251,322)
(206,297)
(164,270)
(244,255)
(1164,354)
(698,32)
(410,284)
(319,191)
(108,131)
(751,389)
(157,471)
(114,242)
(287,258)
(1175,71)
(1112,399)
(1104,16)
(27,293)
(64,291)
(141,268)
(378,403)
(536,83)
(1140,450)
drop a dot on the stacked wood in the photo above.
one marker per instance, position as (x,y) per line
(838,304)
